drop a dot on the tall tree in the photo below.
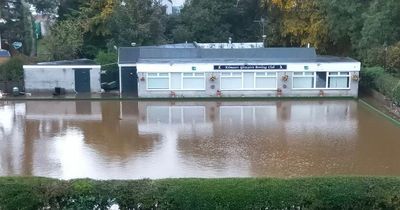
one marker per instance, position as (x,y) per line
(215,21)
(16,24)
(65,40)
(138,21)
(302,22)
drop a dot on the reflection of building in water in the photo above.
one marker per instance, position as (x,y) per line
(174,118)
(130,139)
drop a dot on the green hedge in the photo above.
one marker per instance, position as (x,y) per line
(382,81)
(12,70)
(249,193)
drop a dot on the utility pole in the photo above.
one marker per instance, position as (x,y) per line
(263,23)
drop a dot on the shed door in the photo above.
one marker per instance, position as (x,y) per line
(129,80)
(82,80)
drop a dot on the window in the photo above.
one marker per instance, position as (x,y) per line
(158,81)
(231,80)
(193,81)
(248,80)
(176,81)
(339,80)
(303,80)
(266,80)
(321,80)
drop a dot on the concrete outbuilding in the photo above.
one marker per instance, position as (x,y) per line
(75,76)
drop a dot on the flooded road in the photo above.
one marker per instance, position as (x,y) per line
(130,139)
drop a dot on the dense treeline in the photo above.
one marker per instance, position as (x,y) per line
(365,29)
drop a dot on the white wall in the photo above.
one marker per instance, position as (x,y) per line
(45,79)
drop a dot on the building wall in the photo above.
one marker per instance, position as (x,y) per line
(213,88)
(46,79)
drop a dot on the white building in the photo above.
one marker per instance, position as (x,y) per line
(76,76)
(186,70)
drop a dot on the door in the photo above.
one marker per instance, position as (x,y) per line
(82,80)
(129,81)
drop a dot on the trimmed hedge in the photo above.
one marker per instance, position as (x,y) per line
(249,193)
(378,79)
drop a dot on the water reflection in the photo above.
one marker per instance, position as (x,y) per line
(126,140)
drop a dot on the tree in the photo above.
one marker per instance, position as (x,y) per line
(46,6)
(16,24)
(65,40)
(381,24)
(302,22)
(216,21)
(139,21)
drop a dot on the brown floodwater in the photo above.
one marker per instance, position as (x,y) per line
(131,140)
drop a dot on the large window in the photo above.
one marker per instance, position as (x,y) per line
(248,80)
(176,81)
(339,80)
(158,81)
(266,80)
(193,81)
(303,80)
(231,80)
(321,80)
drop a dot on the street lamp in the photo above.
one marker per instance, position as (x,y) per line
(263,22)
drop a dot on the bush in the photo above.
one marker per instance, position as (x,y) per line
(12,70)
(249,193)
(389,57)
(376,78)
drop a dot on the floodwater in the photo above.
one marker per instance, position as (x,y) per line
(131,140)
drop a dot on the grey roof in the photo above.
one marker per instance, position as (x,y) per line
(132,55)
(4,53)
(80,62)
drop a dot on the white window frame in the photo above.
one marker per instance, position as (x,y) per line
(231,76)
(254,79)
(158,77)
(302,76)
(266,76)
(193,76)
(340,74)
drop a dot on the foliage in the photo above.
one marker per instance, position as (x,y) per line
(65,40)
(382,81)
(302,22)
(12,70)
(216,21)
(108,60)
(16,24)
(251,193)
(138,21)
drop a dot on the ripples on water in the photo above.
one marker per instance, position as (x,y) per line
(129,140)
